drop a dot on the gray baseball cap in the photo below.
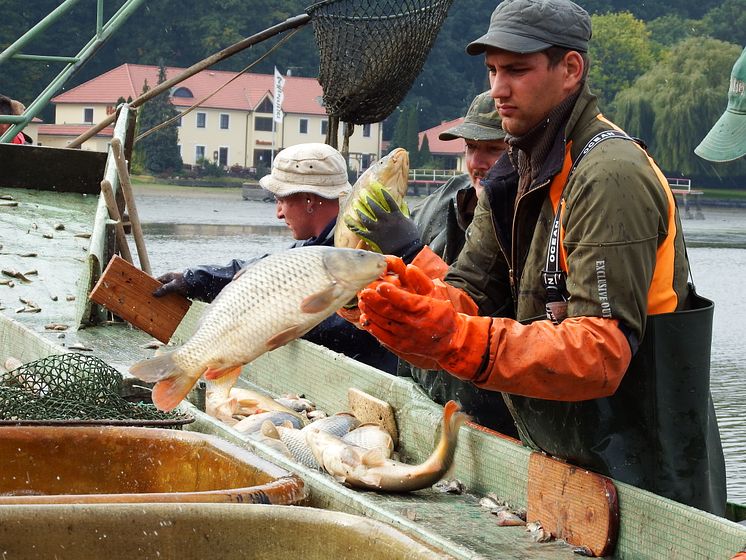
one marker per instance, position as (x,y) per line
(482,122)
(529,26)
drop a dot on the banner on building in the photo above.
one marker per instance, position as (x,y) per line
(278,96)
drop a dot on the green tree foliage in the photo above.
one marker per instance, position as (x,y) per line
(668,30)
(727,22)
(158,152)
(620,52)
(424,157)
(673,106)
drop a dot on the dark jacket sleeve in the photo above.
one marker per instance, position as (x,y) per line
(206,281)
(342,336)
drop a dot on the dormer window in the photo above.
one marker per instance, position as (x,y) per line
(182,92)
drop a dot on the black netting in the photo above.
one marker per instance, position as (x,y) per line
(371,51)
(74,389)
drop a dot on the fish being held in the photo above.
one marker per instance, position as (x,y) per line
(369,468)
(390,173)
(268,304)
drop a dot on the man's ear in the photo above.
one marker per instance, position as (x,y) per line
(574,69)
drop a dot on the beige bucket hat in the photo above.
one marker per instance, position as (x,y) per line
(308,168)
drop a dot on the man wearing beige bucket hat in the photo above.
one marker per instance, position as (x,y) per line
(726,141)
(307,181)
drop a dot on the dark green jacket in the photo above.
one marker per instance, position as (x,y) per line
(658,430)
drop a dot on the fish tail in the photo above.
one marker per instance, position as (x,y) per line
(169,392)
(155,369)
(442,456)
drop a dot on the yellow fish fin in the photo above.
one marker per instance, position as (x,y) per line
(373,458)
(319,301)
(230,372)
(282,338)
(168,393)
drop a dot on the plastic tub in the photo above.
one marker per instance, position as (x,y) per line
(81,464)
(214,531)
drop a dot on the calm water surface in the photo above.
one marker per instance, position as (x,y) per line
(183,231)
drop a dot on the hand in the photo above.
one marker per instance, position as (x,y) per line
(424,329)
(383,224)
(173,282)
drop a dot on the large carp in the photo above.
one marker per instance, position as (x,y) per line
(391,173)
(268,304)
(370,468)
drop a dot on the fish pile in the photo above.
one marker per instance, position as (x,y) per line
(267,305)
(390,173)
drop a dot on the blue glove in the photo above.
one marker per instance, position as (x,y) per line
(383,225)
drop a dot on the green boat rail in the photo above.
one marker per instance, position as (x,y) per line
(103,31)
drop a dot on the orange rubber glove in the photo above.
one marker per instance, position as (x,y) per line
(424,330)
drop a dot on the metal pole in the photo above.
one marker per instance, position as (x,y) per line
(290,23)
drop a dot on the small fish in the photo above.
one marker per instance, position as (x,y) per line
(295,441)
(337,425)
(391,173)
(537,532)
(297,403)
(268,304)
(13,273)
(253,424)
(506,518)
(363,468)
(371,436)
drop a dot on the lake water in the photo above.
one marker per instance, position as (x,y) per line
(185,229)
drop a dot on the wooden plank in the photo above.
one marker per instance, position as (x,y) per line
(127,292)
(575,505)
(51,169)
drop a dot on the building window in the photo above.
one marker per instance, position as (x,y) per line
(223,157)
(201,120)
(183,92)
(324,126)
(88,115)
(265,106)
(365,161)
(178,147)
(263,123)
(178,121)
(303,126)
(262,158)
(225,120)
(199,154)
(366,131)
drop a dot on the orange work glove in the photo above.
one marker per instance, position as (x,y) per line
(424,330)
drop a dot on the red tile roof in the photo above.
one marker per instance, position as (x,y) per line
(302,95)
(444,147)
(72,130)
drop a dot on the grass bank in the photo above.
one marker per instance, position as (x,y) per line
(150,185)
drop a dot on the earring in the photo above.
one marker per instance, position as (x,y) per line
(309,209)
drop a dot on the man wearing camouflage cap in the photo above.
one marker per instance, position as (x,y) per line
(440,222)
(568,294)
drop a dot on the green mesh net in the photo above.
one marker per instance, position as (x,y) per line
(74,389)
(370,52)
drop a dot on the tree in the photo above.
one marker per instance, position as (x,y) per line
(674,105)
(157,152)
(424,157)
(668,30)
(620,52)
(727,22)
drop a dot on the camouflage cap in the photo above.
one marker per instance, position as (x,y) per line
(482,122)
(529,26)
(726,141)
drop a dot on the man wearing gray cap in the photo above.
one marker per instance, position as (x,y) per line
(580,311)
(440,222)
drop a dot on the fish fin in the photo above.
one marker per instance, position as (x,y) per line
(371,480)
(270,430)
(169,392)
(282,338)
(211,374)
(340,478)
(319,301)
(155,369)
(373,458)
